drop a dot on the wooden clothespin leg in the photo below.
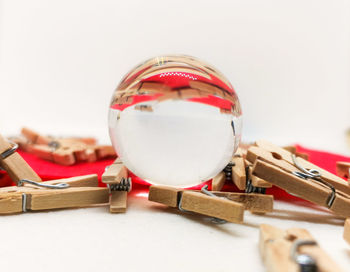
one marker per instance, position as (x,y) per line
(347,230)
(293,250)
(198,202)
(300,177)
(116,177)
(255,203)
(14,164)
(73,192)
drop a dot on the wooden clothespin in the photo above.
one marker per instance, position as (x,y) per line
(198,202)
(343,169)
(347,230)
(65,151)
(300,177)
(116,178)
(293,250)
(13,163)
(73,192)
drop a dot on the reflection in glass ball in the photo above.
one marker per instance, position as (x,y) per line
(175,120)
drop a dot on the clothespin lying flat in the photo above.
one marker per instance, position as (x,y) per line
(65,151)
(73,192)
(116,178)
(293,250)
(300,177)
(198,202)
(13,163)
(343,169)
(347,230)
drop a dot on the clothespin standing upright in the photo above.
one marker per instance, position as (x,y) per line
(293,250)
(81,191)
(239,171)
(347,230)
(116,178)
(300,177)
(14,164)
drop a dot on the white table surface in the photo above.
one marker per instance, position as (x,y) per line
(152,237)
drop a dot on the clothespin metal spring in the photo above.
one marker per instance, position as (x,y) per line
(125,184)
(305,262)
(315,175)
(9,151)
(48,186)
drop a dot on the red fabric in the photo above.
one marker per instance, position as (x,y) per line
(48,170)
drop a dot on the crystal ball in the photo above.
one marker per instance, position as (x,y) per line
(175,120)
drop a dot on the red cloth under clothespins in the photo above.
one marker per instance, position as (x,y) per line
(48,170)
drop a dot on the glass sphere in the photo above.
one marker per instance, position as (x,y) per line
(174,120)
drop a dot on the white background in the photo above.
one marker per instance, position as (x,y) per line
(288,60)
(61,60)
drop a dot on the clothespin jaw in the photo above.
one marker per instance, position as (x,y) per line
(292,250)
(79,191)
(14,164)
(343,169)
(347,230)
(197,202)
(116,178)
(300,177)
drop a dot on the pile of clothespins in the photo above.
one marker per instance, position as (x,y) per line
(252,169)
(65,151)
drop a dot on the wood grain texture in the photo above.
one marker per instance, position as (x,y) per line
(118,201)
(66,198)
(257,203)
(347,230)
(15,165)
(275,246)
(218,181)
(211,206)
(311,191)
(165,195)
(10,203)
